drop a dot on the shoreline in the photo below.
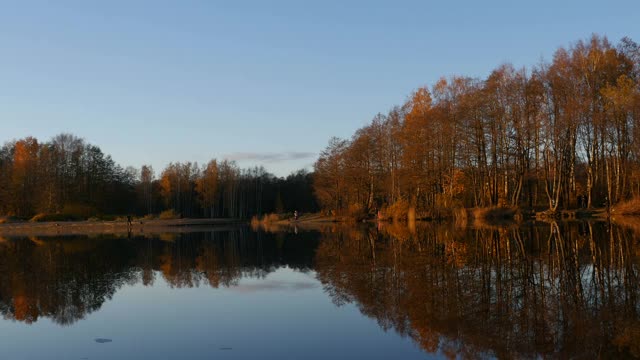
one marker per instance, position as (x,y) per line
(157,226)
(115,227)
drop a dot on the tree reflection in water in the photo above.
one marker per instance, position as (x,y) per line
(548,289)
(559,289)
(66,278)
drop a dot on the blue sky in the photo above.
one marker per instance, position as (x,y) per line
(264,82)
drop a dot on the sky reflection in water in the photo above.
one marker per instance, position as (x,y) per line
(342,292)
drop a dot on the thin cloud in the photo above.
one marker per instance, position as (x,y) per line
(274,285)
(271,157)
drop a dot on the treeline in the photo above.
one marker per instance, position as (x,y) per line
(562,134)
(70,177)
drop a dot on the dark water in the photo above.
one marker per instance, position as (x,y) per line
(566,290)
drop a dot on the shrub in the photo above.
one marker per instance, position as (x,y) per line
(168,215)
(630,207)
(269,222)
(357,212)
(398,211)
(270,218)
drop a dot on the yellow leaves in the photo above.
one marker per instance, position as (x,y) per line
(622,96)
(25,150)
(207,184)
(420,105)
(165,184)
(454,184)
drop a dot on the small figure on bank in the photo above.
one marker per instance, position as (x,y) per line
(129,220)
(579,201)
(295,215)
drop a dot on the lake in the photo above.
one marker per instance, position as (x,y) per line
(568,289)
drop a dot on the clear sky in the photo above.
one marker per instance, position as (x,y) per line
(263,82)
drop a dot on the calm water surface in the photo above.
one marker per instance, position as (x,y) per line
(539,290)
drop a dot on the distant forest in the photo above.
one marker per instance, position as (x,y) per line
(68,176)
(562,134)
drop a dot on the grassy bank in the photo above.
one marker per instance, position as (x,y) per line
(25,228)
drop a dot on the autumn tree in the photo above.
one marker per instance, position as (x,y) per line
(329,184)
(207,187)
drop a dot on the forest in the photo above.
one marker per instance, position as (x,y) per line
(562,134)
(73,179)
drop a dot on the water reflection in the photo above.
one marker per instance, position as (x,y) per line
(65,278)
(565,290)
(540,290)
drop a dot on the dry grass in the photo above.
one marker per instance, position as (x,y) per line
(267,221)
(630,207)
(114,227)
(168,215)
(625,214)
(270,218)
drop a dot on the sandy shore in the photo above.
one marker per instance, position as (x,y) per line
(115,227)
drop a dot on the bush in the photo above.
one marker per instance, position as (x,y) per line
(269,222)
(357,212)
(630,207)
(169,215)
(270,218)
(398,211)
